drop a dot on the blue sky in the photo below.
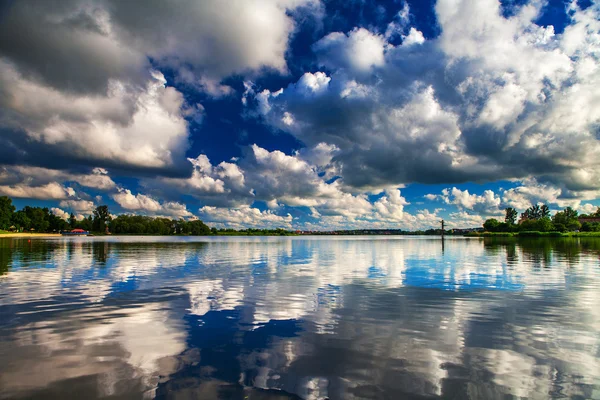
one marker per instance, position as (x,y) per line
(302,114)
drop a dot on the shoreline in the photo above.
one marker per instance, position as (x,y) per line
(535,234)
(472,235)
(27,234)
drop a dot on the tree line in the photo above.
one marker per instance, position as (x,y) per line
(41,219)
(538,218)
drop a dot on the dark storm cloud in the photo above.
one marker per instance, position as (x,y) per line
(66,45)
(77,85)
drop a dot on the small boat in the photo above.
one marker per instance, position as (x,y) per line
(75,232)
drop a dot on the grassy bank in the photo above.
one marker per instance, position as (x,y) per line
(533,234)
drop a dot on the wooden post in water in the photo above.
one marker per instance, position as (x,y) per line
(442,221)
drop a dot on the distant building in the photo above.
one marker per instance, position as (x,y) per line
(583,220)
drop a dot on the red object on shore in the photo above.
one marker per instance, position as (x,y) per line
(78,230)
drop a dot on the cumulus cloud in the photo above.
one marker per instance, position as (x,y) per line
(378,146)
(50,191)
(136,128)
(532,192)
(529,192)
(224,40)
(77,87)
(270,176)
(244,217)
(148,205)
(60,213)
(490,98)
(359,50)
(97,178)
(486,203)
(113,39)
(78,206)
(204,179)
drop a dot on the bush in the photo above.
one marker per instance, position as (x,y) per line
(539,234)
(590,227)
(540,225)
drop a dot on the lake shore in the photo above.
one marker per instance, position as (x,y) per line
(529,234)
(27,234)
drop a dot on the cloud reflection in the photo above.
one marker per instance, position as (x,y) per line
(312,317)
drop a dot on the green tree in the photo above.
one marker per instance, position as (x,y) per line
(72,221)
(566,220)
(21,220)
(39,218)
(590,227)
(536,212)
(101,218)
(511,216)
(85,224)
(6,212)
(491,225)
(540,225)
(56,224)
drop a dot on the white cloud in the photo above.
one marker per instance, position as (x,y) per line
(60,213)
(50,191)
(37,176)
(414,37)
(312,84)
(77,83)
(492,98)
(126,127)
(587,208)
(204,178)
(99,179)
(78,206)
(487,203)
(359,51)
(146,204)
(391,206)
(464,219)
(244,217)
(130,201)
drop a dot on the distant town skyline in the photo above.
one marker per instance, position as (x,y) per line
(301,114)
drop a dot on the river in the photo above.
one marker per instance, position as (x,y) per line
(299,317)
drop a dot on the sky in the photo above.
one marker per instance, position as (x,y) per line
(301,114)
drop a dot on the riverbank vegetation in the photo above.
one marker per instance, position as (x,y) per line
(533,234)
(537,221)
(38,220)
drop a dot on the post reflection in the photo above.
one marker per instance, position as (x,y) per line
(269,318)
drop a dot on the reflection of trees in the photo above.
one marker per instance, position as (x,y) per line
(496,245)
(15,251)
(541,251)
(536,251)
(100,252)
(590,245)
(6,251)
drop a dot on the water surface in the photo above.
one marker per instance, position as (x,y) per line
(299,317)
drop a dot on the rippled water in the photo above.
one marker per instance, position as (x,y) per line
(300,317)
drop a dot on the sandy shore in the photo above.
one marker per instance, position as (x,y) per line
(26,234)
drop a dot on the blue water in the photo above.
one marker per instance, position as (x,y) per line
(299,317)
